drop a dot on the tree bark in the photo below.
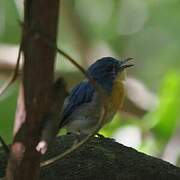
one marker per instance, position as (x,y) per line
(102,158)
(37,83)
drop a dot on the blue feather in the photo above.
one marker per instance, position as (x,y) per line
(80,94)
(102,71)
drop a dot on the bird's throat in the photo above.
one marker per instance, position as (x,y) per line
(117,95)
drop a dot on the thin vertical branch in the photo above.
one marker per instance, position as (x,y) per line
(14,75)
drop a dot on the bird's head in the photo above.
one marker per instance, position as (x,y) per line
(106,70)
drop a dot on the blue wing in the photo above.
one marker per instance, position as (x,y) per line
(80,94)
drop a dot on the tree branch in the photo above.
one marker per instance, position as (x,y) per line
(102,158)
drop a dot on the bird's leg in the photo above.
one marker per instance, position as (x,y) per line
(99,135)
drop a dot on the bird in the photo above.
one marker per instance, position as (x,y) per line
(82,107)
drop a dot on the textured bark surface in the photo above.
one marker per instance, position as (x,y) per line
(102,158)
(37,83)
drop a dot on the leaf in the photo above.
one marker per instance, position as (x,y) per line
(164,118)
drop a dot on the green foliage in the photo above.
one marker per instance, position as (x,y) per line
(7,112)
(163,119)
(9,24)
(111,127)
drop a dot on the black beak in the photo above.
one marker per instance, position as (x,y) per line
(123,64)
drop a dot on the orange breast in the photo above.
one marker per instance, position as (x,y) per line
(117,94)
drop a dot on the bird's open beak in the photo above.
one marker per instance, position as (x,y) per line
(124,64)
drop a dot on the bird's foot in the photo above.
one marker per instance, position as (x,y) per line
(100,135)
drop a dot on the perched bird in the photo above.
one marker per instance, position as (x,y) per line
(82,107)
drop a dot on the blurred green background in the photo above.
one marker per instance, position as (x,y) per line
(147,30)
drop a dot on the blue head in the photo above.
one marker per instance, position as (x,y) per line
(106,69)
